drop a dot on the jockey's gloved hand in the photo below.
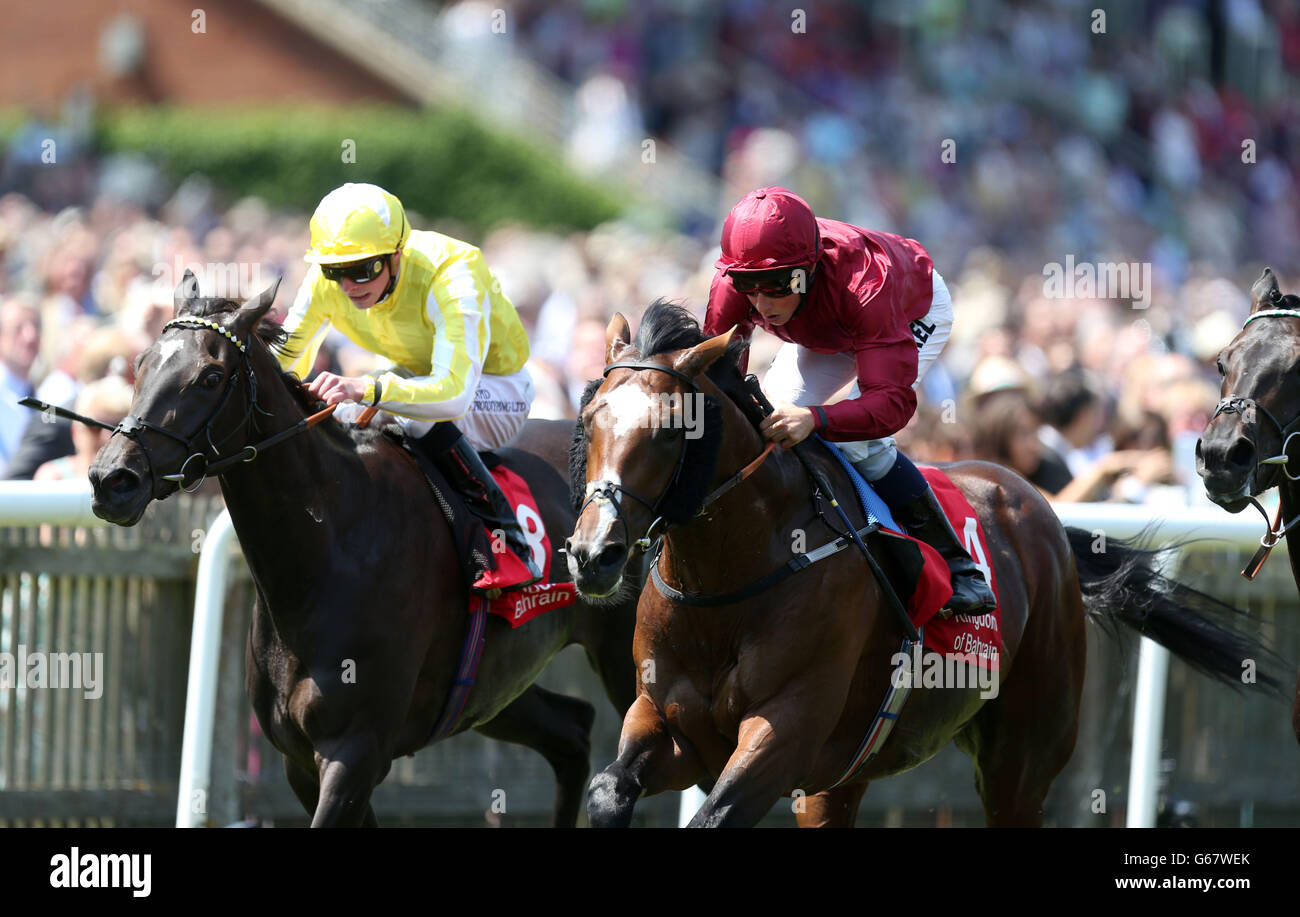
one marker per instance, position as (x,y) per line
(789,424)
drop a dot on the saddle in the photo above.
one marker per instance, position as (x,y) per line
(468,534)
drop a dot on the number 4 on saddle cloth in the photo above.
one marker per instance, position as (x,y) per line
(928,589)
(485,559)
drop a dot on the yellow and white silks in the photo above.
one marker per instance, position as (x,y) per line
(446,324)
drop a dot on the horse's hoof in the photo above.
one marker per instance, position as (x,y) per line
(609,801)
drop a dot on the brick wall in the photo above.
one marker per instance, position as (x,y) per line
(248,54)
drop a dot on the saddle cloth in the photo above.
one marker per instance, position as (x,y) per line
(475,544)
(930,588)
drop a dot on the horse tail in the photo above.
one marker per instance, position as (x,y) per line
(1122,584)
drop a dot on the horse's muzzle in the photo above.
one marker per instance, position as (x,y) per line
(1227,465)
(597,569)
(121,493)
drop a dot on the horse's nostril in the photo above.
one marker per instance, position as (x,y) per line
(1198,447)
(612,556)
(1242,454)
(121,481)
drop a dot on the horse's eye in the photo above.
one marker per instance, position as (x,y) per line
(1219,366)
(210,379)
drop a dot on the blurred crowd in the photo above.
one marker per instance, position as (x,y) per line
(1035,127)
(1005,137)
(1088,398)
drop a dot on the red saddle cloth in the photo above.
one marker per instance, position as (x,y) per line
(522,605)
(979,637)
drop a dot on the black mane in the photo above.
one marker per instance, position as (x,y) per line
(274,336)
(667,327)
(269,331)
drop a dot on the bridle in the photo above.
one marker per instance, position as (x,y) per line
(1248,407)
(133,427)
(610,490)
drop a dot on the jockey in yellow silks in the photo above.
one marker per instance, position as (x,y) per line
(428,303)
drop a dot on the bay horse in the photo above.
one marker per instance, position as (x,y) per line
(771,694)
(1246,449)
(361,607)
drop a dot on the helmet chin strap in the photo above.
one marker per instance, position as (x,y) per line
(803,297)
(392,275)
(392,281)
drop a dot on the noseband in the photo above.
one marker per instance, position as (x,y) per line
(1246,407)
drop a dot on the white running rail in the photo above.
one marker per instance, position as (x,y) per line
(23,503)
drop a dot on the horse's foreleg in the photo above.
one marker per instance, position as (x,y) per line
(304,784)
(607,645)
(649,761)
(559,729)
(349,772)
(775,747)
(837,808)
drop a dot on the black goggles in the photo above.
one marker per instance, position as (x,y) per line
(779,282)
(356,271)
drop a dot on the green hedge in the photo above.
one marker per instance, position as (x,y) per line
(440,163)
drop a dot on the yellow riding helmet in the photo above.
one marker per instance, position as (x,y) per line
(354,222)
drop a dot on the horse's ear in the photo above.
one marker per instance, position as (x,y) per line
(186,290)
(1265,294)
(702,356)
(251,312)
(617,336)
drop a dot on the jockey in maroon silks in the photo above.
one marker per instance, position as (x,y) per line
(852,305)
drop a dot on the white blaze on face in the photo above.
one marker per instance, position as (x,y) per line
(607,512)
(630,407)
(167,350)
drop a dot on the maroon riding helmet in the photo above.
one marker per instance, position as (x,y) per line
(770,229)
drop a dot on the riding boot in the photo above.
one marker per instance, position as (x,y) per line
(461,464)
(917,510)
(925,519)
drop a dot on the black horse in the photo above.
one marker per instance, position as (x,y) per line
(362,603)
(1247,447)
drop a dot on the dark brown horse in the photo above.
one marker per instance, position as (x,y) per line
(772,694)
(1247,446)
(362,605)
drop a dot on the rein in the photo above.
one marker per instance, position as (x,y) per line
(132,426)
